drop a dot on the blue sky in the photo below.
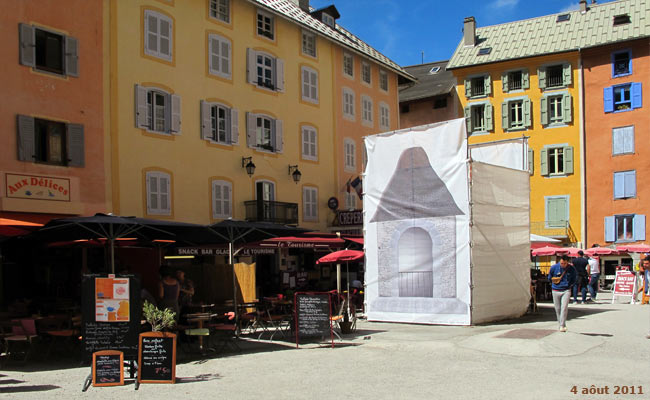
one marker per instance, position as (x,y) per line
(403,29)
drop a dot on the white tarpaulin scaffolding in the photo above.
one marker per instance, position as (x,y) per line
(429,257)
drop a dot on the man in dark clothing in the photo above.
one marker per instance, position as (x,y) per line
(580,263)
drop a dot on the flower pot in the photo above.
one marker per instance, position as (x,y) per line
(346,326)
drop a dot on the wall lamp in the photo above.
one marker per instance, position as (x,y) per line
(295,175)
(250,167)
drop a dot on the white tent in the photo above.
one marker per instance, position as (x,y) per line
(446,238)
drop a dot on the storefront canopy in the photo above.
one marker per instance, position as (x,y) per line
(14,227)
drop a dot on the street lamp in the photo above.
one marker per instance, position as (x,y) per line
(250,167)
(295,175)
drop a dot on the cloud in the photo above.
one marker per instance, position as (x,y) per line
(573,6)
(504,3)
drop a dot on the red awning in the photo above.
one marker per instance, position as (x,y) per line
(634,248)
(14,227)
(355,239)
(303,242)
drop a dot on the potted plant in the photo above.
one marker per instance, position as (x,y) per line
(156,355)
(157,318)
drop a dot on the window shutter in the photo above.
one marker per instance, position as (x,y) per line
(543,160)
(505,120)
(630,184)
(314,86)
(206,120)
(26,138)
(277,147)
(176,114)
(152,192)
(637,101)
(568,160)
(71,56)
(541,76)
(216,193)
(531,162)
(468,118)
(488,85)
(527,113)
(525,79)
(226,53)
(638,226)
(279,74)
(543,111)
(504,81)
(165,195)
(489,123)
(225,189)
(618,140)
(75,139)
(628,135)
(567,108)
(619,185)
(140,107)
(610,229)
(234,126)
(251,121)
(608,99)
(566,74)
(27,45)
(468,88)
(251,65)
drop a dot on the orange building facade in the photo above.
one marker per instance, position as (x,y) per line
(52,152)
(617,134)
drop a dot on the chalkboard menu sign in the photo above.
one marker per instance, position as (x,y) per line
(111,313)
(157,358)
(108,368)
(313,315)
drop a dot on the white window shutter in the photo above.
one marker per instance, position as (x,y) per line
(206,120)
(531,161)
(619,185)
(152,192)
(27,45)
(638,225)
(165,194)
(175,114)
(251,121)
(75,139)
(541,78)
(278,136)
(525,80)
(251,65)
(628,143)
(26,138)
(610,229)
(141,107)
(528,118)
(234,126)
(279,74)
(543,162)
(71,56)
(630,184)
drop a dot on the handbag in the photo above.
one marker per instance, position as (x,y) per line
(558,279)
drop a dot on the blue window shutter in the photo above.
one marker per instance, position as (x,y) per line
(619,185)
(630,184)
(608,99)
(637,99)
(610,229)
(638,227)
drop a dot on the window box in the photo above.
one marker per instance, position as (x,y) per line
(623,97)
(48,51)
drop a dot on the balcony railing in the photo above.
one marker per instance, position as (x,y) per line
(272,211)
(555,229)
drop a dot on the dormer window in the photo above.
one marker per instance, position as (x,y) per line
(434,70)
(621,19)
(327,19)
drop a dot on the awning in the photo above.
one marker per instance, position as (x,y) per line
(294,242)
(354,239)
(14,227)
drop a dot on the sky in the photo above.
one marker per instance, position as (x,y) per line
(403,29)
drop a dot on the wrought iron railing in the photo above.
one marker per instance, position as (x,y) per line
(272,211)
(557,229)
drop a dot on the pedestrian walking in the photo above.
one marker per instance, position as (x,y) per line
(581,264)
(562,276)
(594,277)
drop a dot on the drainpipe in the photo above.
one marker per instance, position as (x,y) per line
(583,153)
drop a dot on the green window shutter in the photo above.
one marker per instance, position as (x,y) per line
(566,74)
(543,160)
(487,112)
(505,121)
(468,88)
(556,210)
(541,76)
(468,118)
(568,160)
(543,111)
(525,80)
(504,81)
(488,85)
(567,108)
(527,113)
(531,162)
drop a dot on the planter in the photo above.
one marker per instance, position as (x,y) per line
(346,327)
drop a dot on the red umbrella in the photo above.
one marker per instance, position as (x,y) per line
(341,256)
(634,248)
(550,251)
(600,251)
(14,227)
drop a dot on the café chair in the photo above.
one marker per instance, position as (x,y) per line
(57,329)
(224,332)
(22,339)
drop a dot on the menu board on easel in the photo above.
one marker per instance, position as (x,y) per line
(313,316)
(108,368)
(157,358)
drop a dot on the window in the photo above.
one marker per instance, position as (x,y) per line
(621,64)
(309,85)
(383,80)
(220,9)
(265,71)
(556,160)
(440,102)
(50,142)
(384,116)
(624,184)
(366,108)
(434,70)
(554,76)
(621,19)
(157,111)
(309,43)
(265,24)
(309,143)
(220,56)
(327,19)
(625,228)
(405,108)
(158,35)
(351,200)
(348,103)
(219,123)
(264,133)
(515,80)
(158,193)
(484,51)
(622,97)
(515,114)
(365,73)
(48,51)
(478,86)
(623,140)
(557,211)
(556,109)
(348,65)
(478,117)
(350,149)
(563,17)
(221,199)
(310,203)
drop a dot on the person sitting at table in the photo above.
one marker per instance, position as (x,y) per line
(187,289)
(168,291)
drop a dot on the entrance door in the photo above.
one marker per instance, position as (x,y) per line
(265,195)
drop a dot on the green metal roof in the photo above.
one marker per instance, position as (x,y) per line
(545,35)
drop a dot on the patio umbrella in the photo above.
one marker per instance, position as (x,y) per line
(550,251)
(342,256)
(13,227)
(634,248)
(600,251)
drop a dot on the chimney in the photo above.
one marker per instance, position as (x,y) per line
(304,5)
(469,31)
(583,6)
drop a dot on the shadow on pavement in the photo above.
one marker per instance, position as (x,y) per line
(546,313)
(29,388)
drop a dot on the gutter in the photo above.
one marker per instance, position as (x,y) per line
(583,153)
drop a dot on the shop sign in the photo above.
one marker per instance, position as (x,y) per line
(624,283)
(37,187)
(197,251)
(345,218)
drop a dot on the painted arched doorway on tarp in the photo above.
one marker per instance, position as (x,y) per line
(415,259)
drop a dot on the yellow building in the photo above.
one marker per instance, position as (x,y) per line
(507,93)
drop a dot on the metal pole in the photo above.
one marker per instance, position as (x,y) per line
(111,240)
(234,280)
(338,278)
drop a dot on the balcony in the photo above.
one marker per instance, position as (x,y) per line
(272,211)
(555,229)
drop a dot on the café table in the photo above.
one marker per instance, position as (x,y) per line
(200,319)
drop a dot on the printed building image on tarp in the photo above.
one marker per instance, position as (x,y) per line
(418,230)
